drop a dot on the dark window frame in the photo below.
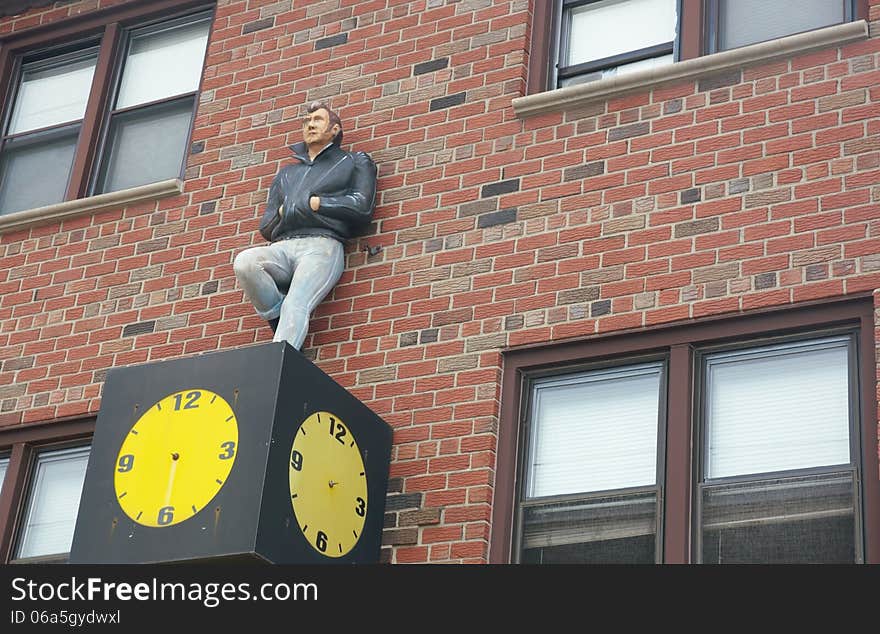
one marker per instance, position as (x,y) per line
(109,28)
(22,445)
(853,10)
(679,342)
(657,487)
(694,36)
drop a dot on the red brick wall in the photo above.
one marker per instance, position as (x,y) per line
(707,197)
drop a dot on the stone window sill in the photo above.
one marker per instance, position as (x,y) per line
(572,97)
(92,204)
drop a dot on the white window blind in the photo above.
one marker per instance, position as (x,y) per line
(53,502)
(4,465)
(613,27)
(53,92)
(777,408)
(594,431)
(163,64)
(744,22)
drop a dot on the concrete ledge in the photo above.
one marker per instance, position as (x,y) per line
(572,97)
(92,204)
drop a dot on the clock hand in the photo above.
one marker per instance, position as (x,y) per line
(174,457)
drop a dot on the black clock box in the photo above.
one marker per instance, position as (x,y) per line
(272,389)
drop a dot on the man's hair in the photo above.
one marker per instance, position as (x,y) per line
(333,117)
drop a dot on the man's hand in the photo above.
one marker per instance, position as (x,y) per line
(281,210)
(314,203)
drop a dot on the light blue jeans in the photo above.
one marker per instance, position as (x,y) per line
(287,279)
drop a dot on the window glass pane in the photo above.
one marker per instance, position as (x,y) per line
(163,64)
(594,431)
(623,69)
(34,170)
(53,502)
(795,520)
(744,22)
(777,408)
(4,465)
(146,145)
(53,92)
(612,27)
(616,529)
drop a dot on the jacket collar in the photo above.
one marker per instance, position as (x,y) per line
(301,151)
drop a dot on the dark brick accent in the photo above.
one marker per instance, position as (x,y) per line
(210,287)
(602,307)
(447,102)
(512,322)
(686,229)
(501,187)
(434,244)
(197,148)
(429,336)
(629,131)
(722,80)
(208,207)
(257,25)
(497,218)
(816,272)
(140,328)
(671,107)
(690,196)
(584,171)
(409,339)
(765,280)
(430,67)
(333,40)
(403,501)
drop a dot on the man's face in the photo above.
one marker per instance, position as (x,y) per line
(317,129)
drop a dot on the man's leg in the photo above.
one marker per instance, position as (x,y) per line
(260,272)
(318,266)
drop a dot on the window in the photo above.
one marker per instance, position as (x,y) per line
(578,41)
(735,23)
(42,470)
(591,477)
(84,119)
(52,503)
(746,440)
(592,44)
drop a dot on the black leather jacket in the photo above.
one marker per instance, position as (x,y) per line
(345,182)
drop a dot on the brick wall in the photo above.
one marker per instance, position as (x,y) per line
(749,189)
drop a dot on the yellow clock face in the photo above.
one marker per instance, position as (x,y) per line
(328,484)
(176,457)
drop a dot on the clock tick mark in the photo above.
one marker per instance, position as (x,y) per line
(354,533)
(214,399)
(139,515)
(195,510)
(362,473)
(218,481)
(305,528)
(352,444)
(293,496)
(123,494)
(230,418)
(134,431)
(340,547)
(159,406)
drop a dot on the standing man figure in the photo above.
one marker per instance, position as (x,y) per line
(314,207)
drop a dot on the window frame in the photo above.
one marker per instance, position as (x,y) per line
(679,342)
(109,29)
(523,458)
(22,445)
(853,10)
(563,32)
(692,41)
